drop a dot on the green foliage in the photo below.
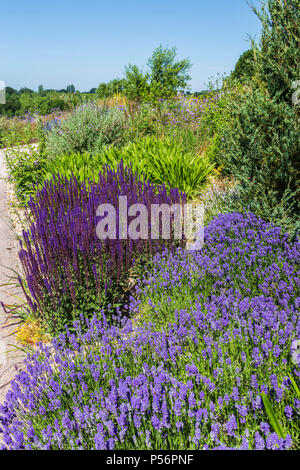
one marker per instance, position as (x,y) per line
(19,103)
(261,149)
(245,67)
(202,94)
(89,128)
(163,160)
(106,90)
(70,89)
(166,76)
(83,166)
(15,131)
(26,170)
(41,90)
(272,416)
(36,103)
(217,118)
(144,121)
(136,83)
(12,106)
(93,136)
(27,101)
(163,80)
(278,54)
(255,127)
(163,300)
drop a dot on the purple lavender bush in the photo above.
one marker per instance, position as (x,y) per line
(68,269)
(223,320)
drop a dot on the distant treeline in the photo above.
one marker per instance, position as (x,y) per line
(25,100)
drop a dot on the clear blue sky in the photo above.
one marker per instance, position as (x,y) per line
(56,43)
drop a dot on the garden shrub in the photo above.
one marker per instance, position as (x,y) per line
(16,131)
(245,67)
(171,160)
(178,117)
(143,120)
(277,54)
(88,128)
(161,160)
(257,140)
(26,168)
(217,118)
(83,166)
(226,317)
(68,269)
(24,101)
(164,161)
(261,149)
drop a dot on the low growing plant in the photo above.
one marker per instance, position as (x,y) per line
(87,129)
(83,166)
(17,131)
(26,166)
(221,324)
(164,161)
(68,269)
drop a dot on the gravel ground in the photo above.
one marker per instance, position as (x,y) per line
(10,357)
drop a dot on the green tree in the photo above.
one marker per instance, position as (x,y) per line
(278,54)
(166,75)
(26,91)
(105,90)
(41,90)
(260,142)
(136,87)
(12,105)
(102,90)
(245,66)
(118,85)
(70,89)
(164,79)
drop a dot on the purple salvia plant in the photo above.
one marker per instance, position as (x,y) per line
(68,269)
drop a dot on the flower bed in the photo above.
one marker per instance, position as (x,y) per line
(223,321)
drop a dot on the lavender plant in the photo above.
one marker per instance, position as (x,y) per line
(222,323)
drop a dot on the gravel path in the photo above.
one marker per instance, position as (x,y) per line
(10,358)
